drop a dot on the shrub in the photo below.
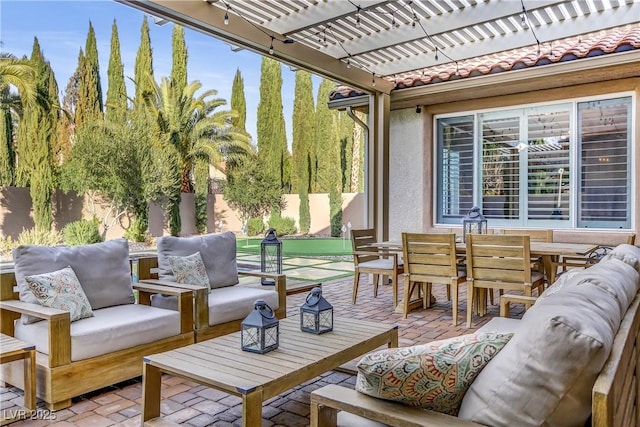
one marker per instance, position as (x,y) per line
(283,225)
(82,232)
(42,238)
(7,244)
(255,226)
(137,231)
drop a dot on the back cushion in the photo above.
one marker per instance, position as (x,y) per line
(627,253)
(218,252)
(102,269)
(544,375)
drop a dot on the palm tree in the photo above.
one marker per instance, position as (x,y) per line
(19,73)
(194,127)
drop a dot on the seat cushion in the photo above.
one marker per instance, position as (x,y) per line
(218,253)
(62,290)
(109,330)
(102,269)
(431,376)
(347,419)
(559,348)
(379,264)
(228,303)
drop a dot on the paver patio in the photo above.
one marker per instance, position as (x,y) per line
(195,405)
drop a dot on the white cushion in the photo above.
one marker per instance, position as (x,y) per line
(347,419)
(545,374)
(627,253)
(503,325)
(228,303)
(236,302)
(109,330)
(381,263)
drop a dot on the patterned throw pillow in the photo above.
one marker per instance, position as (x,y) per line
(62,290)
(189,269)
(432,376)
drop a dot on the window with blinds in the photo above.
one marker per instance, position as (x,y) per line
(564,165)
(604,129)
(455,168)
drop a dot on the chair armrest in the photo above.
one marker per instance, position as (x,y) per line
(185,299)
(328,400)
(507,299)
(281,289)
(59,322)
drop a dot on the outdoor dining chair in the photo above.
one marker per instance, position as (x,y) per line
(368,259)
(429,259)
(498,262)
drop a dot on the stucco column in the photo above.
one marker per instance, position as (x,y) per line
(378,164)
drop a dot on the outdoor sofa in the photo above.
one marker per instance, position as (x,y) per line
(76,357)
(573,360)
(220,301)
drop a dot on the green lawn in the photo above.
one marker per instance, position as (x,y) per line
(301,247)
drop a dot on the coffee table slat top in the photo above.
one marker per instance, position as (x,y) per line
(10,346)
(221,363)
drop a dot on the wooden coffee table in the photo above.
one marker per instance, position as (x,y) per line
(221,364)
(12,349)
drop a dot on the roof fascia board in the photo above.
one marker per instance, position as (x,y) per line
(623,15)
(421,92)
(351,101)
(201,16)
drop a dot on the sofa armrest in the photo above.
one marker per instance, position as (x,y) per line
(59,322)
(328,400)
(185,300)
(200,299)
(281,289)
(507,299)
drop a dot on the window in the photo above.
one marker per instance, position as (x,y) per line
(562,166)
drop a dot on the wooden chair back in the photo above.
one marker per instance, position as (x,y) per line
(498,261)
(429,257)
(540,235)
(360,239)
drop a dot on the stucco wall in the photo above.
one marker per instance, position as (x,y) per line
(408,168)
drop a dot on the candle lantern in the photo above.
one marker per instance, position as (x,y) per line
(270,256)
(260,330)
(474,223)
(316,314)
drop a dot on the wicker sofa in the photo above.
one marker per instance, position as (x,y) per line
(573,357)
(221,306)
(76,357)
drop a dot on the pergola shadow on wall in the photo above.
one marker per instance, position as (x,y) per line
(410,54)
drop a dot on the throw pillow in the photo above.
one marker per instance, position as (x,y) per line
(189,269)
(433,376)
(62,290)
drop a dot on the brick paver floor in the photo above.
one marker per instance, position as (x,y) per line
(192,404)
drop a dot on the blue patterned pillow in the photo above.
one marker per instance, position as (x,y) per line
(62,290)
(189,269)
(433,376)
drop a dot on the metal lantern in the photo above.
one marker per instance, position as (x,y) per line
(474,223)
(270,256)
(260,330)
(316,314)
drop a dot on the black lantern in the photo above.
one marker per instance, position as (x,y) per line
(474,223)
(316,314)
(270,256)
(260,330)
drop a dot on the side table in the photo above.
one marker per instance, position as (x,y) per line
(12,349)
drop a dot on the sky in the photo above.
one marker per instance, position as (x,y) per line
(61,28)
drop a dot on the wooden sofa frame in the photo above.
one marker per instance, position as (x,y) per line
(58,379)
(203,331)
(615,394)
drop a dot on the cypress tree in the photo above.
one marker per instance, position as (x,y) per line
(7,155)
(35,141)
(324,123)
(346,149)
(116,107)
(272,140)
(334,177)
(179,57)
(303,138)
(89,105)
(65,126)
(143,71)
(238,102)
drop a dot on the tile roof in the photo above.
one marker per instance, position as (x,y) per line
(614,40)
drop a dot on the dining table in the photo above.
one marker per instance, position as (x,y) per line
(549,252)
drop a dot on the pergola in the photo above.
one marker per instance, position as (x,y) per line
(370,45)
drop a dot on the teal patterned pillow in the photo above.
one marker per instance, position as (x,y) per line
(433,376)
(189,269)
(62,290)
